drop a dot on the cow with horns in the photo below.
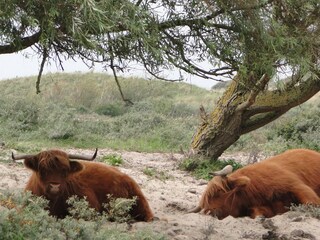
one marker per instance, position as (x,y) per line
(264,189)
(57,176)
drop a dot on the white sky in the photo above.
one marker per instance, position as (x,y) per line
(18,65)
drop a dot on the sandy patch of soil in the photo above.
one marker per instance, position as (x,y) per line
(171,192)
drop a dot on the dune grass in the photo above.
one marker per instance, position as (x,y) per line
(86,111)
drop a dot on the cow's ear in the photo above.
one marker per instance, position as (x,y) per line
(32,163)
(75,166)
(238,182)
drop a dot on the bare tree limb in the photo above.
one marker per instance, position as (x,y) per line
(44,58)
(112,66)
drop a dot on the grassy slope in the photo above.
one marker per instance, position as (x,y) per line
(85,110)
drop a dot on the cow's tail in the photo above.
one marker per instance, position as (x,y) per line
(195,210)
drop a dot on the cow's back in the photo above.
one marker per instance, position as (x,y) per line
(298,161)
(304,163)
(103,180)
(297,158)
(281,171)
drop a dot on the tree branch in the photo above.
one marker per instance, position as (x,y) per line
(195,21)
(254,92)
(273,104)
(44,58)
(261,120)
(275,100)
(113,68)
(21,44)
(189,66)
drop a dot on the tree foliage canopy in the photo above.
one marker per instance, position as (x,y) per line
(233,36)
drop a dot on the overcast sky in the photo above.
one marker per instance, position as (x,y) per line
(17,65)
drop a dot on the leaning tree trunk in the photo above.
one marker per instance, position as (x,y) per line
(240,111)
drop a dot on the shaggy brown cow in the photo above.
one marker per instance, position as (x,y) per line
(266,188)
(56,177)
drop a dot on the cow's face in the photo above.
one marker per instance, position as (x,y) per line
(222,196)
(53,169)
(54,181)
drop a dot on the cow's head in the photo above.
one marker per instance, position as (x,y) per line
(223,195)
(53,167)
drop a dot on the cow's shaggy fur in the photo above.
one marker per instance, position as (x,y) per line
(266,188)
(57,178)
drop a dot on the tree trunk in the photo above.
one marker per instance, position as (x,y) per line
(240,111)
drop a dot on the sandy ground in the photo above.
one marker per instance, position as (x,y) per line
(171,192)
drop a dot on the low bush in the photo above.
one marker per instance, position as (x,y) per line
(113,159)
(23,217)
(112,109)
(202,168)
(152,172)
(310,210)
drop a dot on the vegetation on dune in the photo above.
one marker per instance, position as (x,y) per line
(23,217)
(309,210)
(113,159)
(85,110)
(202,168)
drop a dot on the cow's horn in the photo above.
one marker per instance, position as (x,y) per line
(19,157)
(195,210)
(223,172)
(83,157)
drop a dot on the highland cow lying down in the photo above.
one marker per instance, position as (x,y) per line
(266,188)
(57,177)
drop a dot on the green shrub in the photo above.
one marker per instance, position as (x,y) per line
(202,168)
(23,217)
(221,85)
(79,209)
(112,109)
(60,123)
(20,115)
(299,129)
(113,159)
(119,208)
(152,172)
(310,210)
